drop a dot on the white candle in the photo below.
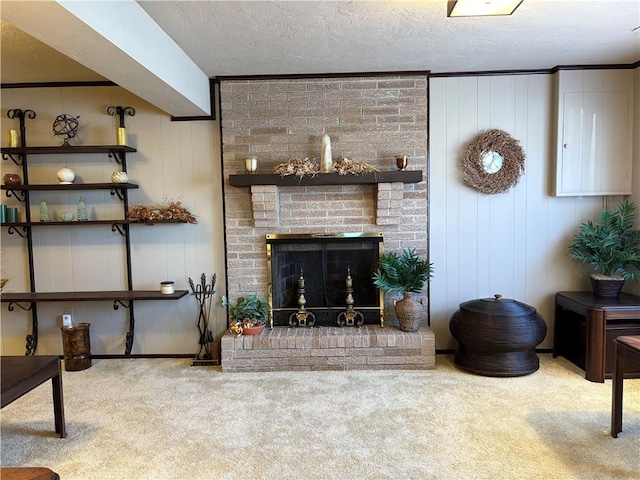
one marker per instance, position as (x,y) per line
(326,163)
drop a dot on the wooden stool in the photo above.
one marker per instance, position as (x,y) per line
(627,349)
(28,473)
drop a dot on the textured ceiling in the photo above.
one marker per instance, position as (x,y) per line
(257,37)
(313,37)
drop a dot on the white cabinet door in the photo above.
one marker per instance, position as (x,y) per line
(594,155)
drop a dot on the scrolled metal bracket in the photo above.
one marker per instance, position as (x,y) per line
(18,194)
(12,306)
(118,227)
(22,232)
(121,303)
(119,156)
(18,159)
(119,192)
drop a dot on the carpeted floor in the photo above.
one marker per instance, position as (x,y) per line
(163,419)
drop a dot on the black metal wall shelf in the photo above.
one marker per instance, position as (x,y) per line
(124,298)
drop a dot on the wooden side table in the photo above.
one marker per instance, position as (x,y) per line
(585,326)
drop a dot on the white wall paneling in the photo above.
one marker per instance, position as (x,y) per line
(175,161)
(514,243)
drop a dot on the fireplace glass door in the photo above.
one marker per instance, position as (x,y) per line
(333,272)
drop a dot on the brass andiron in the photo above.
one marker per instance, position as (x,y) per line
(302,318)
(350,317)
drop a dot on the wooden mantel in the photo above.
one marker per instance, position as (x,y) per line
(246,180)
(265,192)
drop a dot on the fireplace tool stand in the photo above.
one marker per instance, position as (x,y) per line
(203,293)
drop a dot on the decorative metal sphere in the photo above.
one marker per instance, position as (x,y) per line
(65,127)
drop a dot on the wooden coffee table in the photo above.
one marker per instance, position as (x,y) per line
(20,375)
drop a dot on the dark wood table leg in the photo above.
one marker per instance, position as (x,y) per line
(626,349)
(58,404)
(595,348)
(616,403)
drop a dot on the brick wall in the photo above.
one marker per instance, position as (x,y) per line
(370,119)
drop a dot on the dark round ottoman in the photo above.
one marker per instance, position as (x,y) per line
(497,337)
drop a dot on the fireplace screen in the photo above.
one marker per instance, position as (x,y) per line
(335,273)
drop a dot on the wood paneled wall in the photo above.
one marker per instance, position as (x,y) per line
(175,161)
(514,244)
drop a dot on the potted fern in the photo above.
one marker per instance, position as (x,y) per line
(406,274)
(249,314)
(612,247)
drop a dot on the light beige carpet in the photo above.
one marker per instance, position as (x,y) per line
(163,419)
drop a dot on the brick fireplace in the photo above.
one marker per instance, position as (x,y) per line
(370,119)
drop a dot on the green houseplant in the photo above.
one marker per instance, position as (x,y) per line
(406,274)
(249,314)
(612,247)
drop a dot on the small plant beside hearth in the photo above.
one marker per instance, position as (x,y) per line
(249,314)
(406,274)
(612,247)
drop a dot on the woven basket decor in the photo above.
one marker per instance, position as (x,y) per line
(513,157)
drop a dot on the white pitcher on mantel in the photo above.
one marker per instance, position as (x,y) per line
(326,163)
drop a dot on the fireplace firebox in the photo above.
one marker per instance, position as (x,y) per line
(324,279)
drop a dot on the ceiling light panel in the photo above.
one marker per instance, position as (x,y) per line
(478,8)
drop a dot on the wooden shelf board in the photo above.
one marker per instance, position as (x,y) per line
(68,149)
(76,223)
(245,180)
(125,295)
(70,186)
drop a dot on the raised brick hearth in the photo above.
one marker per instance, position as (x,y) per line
(329,348)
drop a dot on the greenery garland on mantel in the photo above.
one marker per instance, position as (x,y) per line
(474,173)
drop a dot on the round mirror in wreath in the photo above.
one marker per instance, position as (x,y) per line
(493,162)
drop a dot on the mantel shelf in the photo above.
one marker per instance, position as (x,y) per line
(246,180)
(68,149)
(124,295)
(70,186)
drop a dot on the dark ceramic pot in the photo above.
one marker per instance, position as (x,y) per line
(497,337)
(12,179)
(607,287)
